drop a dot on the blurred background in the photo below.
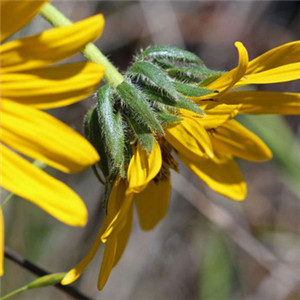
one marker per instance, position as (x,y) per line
(208,247)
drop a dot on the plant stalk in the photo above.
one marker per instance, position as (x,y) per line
(35,269)
(91,52)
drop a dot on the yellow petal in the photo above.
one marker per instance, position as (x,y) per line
(281,74)
(29,182)
(108,262)
(40,136)
(260,102)
(50,46)
(229,79)
(235,139)
(114,204)
(114,249)
(283,55)
(143,167)
(52,87)
(76,272)
(116,199)
(119,204)
(189,138)
(213,121)
(217,113)
(119,220)
(216,107)
(152,203)
(16,14)
(1,242)
(123,236)
(224,177)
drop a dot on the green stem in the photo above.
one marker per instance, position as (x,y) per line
(15,292)
(91,52)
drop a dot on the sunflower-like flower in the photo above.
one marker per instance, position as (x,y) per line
(28,85)
(228,138)
(207,143)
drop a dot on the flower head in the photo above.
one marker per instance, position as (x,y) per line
(195,107)
(29,84)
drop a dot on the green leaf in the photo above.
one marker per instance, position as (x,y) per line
(167,118)
(143,133)
(43,281)
(195,74)
(92,131)
(119,139)
(217,271)
(169,53)
(95,135)
(46,280)
(151,74)
(209,80)
(182,102)
(111,125)
(109,184)
(192,91)
(163,63)
(189,105)
(128,151)
(139,106)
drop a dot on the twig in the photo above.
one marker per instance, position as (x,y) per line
(33,268)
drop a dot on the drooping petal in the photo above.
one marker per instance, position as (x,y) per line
(223,177)
(1,242)
(40,136)
(114,249)
(283,55)
(152,203)
(50,46)
(108,262)
(123,236)
(53,86)
(114,204)
(229,79)
(235,139)
(119,220)
(260,102)
(143,167)
(29,182)
(119,204)
(16,14)
(189,138)
(76,272)
(281,74)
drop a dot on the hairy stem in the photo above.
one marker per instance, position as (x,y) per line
(91,52)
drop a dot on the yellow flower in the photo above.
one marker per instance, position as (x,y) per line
(29,84)
(151,199)
(206,144)
(228,138)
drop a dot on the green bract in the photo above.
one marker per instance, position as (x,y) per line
(169,54)
(160,81)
